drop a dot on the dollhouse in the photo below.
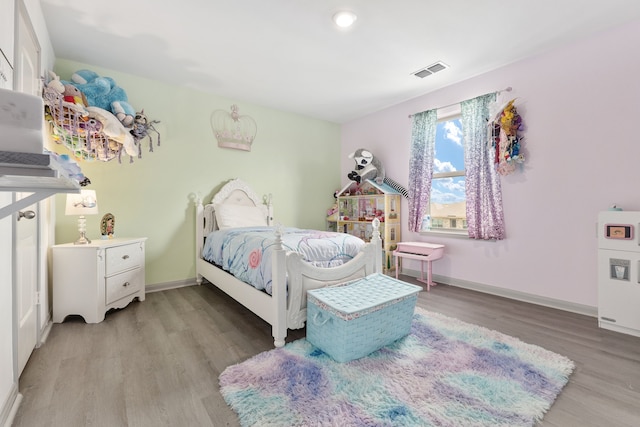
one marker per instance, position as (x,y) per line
(360,204)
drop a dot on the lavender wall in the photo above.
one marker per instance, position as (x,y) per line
(581,107)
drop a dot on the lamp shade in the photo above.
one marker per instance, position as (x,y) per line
(84,203)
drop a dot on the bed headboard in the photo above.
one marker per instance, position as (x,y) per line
(234,192)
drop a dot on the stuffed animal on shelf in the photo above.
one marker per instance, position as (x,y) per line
(114,130)
(367,167)
(103,92)
(73,95)
(90,131)
(142,128)
(69,97)
(54,83)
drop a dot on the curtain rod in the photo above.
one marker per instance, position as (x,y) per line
(507,89)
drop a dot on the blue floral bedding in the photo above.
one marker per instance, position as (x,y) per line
(247,252)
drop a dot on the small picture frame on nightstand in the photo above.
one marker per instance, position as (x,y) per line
(108,226)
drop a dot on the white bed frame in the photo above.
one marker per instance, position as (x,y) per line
(282,310)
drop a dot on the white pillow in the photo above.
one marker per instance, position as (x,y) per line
(232,216)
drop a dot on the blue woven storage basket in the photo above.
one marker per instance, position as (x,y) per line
(353,320)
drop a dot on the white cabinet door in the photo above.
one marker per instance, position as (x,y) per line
(26,276)
(7,8)
(6,72)
(26,79)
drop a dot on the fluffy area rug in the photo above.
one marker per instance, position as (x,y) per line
(444,373)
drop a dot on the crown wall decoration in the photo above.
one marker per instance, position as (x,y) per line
(233,130)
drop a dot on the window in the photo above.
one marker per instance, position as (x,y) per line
(447,208)
(441,189)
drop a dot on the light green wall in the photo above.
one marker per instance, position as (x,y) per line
(295,158)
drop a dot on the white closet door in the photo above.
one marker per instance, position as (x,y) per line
(26,79)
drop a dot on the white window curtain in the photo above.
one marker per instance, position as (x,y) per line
(423,141)
(485,217)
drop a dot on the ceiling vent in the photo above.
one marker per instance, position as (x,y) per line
(431,69)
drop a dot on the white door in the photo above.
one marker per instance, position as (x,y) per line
(26,279)
(26,79)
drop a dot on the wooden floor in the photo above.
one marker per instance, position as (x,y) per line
(156,363)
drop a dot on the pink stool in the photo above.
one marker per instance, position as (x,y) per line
(421,251)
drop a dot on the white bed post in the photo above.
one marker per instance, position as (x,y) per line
(377,242)
(267,201)
(279,291)
(199,235)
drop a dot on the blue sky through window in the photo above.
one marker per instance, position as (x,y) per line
(449,157)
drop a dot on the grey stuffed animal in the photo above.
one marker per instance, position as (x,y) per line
(367,167)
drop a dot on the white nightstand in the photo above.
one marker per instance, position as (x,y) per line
(89,280)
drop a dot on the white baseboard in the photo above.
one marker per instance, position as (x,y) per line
(44,332)
(157,287)
(511,294)
(466,284)
(10,407)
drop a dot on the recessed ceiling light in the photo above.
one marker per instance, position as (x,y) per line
(344,19)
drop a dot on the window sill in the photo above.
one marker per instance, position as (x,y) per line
(453,234)
(443,233)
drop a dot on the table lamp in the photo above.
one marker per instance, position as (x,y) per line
(84,203)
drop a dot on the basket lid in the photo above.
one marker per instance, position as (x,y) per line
(365,293)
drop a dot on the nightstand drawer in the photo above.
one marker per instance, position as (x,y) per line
(120,258)
(123,284)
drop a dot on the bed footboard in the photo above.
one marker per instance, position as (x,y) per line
(302,276)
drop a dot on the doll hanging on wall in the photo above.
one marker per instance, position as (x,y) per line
(506,140)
